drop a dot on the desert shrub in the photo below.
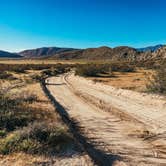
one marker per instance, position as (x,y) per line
(12,120)
(92,69)
(6,75)
(36,77)
(96,69)
(14,100)
(21,68)
(37,138)
(50,72)
(2,133)
(63,68)
(25,126)
(122,67)
(14,111)
(25,96)
(57,69)
(148,64)
(86,70)
(157,83)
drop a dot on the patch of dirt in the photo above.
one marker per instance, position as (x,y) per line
(116,121)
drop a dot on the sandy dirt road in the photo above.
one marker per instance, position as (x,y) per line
(123,123)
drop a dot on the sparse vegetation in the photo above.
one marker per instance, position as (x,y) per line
(96,69)
(37,138)
(26,126)
(21,68)
(157,83)
(6,75)
(89,69)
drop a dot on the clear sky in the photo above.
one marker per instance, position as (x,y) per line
(81,23)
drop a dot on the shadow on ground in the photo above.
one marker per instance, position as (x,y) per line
(99,157)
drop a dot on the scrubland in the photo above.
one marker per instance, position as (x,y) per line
(31,131)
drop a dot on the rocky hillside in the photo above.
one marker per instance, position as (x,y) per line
(44,51)
(117,53)
(99,53)
(4,54)
(160,53)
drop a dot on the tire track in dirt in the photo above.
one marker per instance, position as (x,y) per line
(145,111)
(106,131)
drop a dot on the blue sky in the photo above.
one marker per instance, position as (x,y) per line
(81,23)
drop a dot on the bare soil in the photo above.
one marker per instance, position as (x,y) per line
(120,122)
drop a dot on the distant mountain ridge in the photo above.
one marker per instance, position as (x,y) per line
(100,53)
(44,51)
(150,48)
(5,54)
(107,53)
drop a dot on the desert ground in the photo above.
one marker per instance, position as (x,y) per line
(123,123)
(103,120)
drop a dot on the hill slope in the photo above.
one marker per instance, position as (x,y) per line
(106,53)
(5,54)
(44,51)
(151,48)
(99,53)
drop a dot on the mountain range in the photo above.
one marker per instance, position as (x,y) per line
(5,54)
(117,53)
(44,51)
(150,48)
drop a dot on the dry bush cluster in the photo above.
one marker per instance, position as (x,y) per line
(6,75)
(37,138)
(157,83)
(27,127)
(22,68)
(95,69)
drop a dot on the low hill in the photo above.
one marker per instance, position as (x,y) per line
(99,53)
(5,54)
(44,51)
(117,53)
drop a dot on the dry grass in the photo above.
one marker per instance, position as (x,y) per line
(22,159)
(136,81)
(34,61)
(43,139)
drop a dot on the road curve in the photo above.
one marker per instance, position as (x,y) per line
(114,123)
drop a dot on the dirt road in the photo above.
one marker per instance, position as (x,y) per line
(119,122)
